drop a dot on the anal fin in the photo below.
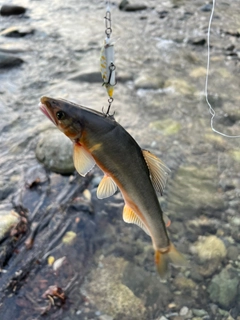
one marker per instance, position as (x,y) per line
(129,216)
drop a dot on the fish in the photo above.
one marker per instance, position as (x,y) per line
(107,66)
(138,174)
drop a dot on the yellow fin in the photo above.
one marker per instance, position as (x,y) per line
(158,171)
(107,187)
(129,216)
(83,161)
(163,258)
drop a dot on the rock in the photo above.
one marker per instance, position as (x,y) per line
(148,82)
(206,7)
(126,6)
(184,284)
(146,286)
(199,72)
(91,77)
(167,126)
(8,60)
(180,86)
(232,253)
(116,299)
(198,187)
(8,10)
(199,312)
(210,248)
(55,150)
(16,32)
(8,219)
(184,311)
(198,41)
(223,288)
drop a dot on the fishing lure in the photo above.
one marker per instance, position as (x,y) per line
(107,64)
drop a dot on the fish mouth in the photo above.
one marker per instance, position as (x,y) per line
(45,111)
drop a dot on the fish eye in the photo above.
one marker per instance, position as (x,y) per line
(60,115)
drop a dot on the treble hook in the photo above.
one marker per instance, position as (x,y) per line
(107,114)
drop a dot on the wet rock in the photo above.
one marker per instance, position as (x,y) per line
(206,7)
(8,10)
(198,41)
(16,32)
(194,191)
(167,126)
(8,219)
(116,299)
(126,6)
(55,151)
(9,61)
(223,288)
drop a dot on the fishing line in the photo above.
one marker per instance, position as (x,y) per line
(211,110)
(107,65)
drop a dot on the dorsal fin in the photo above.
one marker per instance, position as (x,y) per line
(129,216)
(158,171)
(82,159)
(107,187)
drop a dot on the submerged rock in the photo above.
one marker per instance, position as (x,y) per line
(8,10)
(105,290)
(55,150)
(223,288)
(210,252)
(8,60)
(126,6)
(16,32)
(7,221)
(209,248)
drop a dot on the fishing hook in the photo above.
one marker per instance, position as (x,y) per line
(107,114)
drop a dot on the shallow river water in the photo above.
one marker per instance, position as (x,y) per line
(69,255)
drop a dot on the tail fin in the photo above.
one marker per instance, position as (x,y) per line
(162,259)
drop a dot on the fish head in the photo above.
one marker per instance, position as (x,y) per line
(62,116)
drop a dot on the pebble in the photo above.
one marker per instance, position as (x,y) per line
(9,60)
(184,311)
(55,150)
(8,10)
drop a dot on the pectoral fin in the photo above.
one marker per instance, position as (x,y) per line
(158,171)
(107,187)
(83,161)
(129,216)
